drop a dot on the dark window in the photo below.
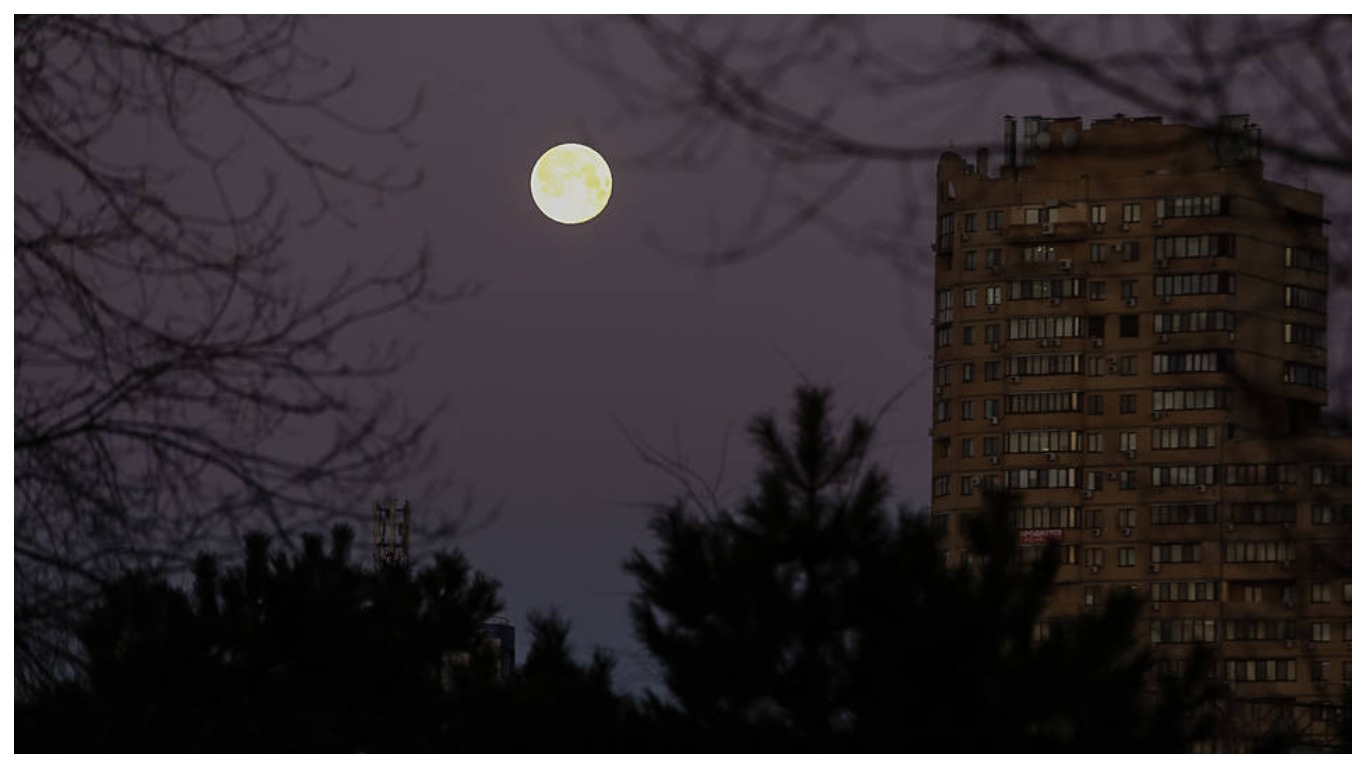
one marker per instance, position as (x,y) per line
(1128,326)
(1128,403)
(1096,327)
(1095,405)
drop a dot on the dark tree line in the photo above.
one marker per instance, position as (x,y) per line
(811,617)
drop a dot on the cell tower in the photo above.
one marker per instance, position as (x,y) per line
(389,530)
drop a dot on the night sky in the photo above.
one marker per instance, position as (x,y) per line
(584,332)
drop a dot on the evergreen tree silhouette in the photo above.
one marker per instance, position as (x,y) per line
(815,617)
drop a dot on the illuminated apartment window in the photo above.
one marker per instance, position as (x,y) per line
(967,410)
(1091,596)
(1185,591)
(1095,442)
(1128,557)
(1321,631)
(1191,399)
(1129,249)
(969,297)
(993,295)
(1132,213)
(1320,592)
(1097,252)
(1191,362)
(1098,214)
(1128,479)
(1192,205)
(968,371)
(1128,441)
(1258,551)
(1169,438)
(970,222)
(1095,480)
(1186,474)
(968,450)
(1330,514)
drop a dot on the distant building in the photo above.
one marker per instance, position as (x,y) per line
(1131,331)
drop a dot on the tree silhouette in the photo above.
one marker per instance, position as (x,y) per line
(164,345)
(285,653)
(813,618)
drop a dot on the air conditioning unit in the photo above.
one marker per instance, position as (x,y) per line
(1014,379)
(1157,222)
(1126,531)
(1124,227)
(976,481)
(1095,569)
(966,237)
(1131,453)
(1201,488)
(1229,526)
(993,460)
(1097,342)
(1050,456)
(1048,228)
(994,421)
(1163,338)
(1111,475)
(1157,415)
(1096,532)
(1055,301)
(1114,367)
(1285,565)
(1166,299)
(1290,642)
(1157,606)
(995,346)
(1132,301)
(1066,264)
(1087,494)
(1155,568)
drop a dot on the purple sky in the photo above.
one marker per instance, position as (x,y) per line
(583,328)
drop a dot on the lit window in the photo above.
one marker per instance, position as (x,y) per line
(1097,214)
(1132,213)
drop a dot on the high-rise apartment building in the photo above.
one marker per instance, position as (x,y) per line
(1130,331)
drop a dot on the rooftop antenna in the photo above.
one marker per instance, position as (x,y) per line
(389,531)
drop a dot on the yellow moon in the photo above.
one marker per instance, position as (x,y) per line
(571,183)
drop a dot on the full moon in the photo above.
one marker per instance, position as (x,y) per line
(571,183)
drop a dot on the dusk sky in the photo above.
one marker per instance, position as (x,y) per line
(582,333)
(584,330)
